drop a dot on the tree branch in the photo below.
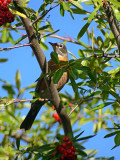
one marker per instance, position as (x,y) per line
(2,49)
(112,22)
(55,99)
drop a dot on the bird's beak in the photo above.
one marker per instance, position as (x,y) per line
(53,44)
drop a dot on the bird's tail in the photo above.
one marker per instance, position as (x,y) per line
(29,119)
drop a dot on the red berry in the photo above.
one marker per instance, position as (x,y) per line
(65,139)
(53,107)
(4,3)
(70,104)
(64,145)
(69,143)
(62,158)
(58,148)
(72,148)
(8,1)
(56,116)
(73,153)
(69,151)
(62,150)
(53,154)
(65,154)
(0,3)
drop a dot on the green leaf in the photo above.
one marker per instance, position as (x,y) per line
(4,35)
(65,6)
(18,80)
(74,72)
(117,139)
(114,94)
(18,143)
(20,39)
(62,10)
(3,60)
(58,75)
(47,35)
(82,153)
(72,55)
(78,135)
(111,134)
(43,46)
(17,13)
(83,30)
(54,57)
(79,11)
(95,94)
(93,13)
(100,106)
(9,88)
(74,85)
(84,138)
(116,3)
(44,27)
(76,4)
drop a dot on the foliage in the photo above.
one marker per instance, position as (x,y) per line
(94,78)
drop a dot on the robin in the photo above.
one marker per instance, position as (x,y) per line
(41,87)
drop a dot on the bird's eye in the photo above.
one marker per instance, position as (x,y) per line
(61,45)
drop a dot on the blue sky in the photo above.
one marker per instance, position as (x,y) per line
(23,60)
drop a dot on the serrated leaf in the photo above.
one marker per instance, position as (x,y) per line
(18,80)
(58,75)
(83,30)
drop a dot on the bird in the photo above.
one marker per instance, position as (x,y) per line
(41,87)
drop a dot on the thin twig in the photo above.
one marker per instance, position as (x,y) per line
(16,100)
(3,49)
(46,13)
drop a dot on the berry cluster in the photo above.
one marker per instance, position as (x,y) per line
(5,14)
(66,150)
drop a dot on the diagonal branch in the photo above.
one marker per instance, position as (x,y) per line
(55,99)
(23,45)
(112,22)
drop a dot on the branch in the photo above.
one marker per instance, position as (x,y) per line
(112,22)
(55,99)
(2,49)
(43,15)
